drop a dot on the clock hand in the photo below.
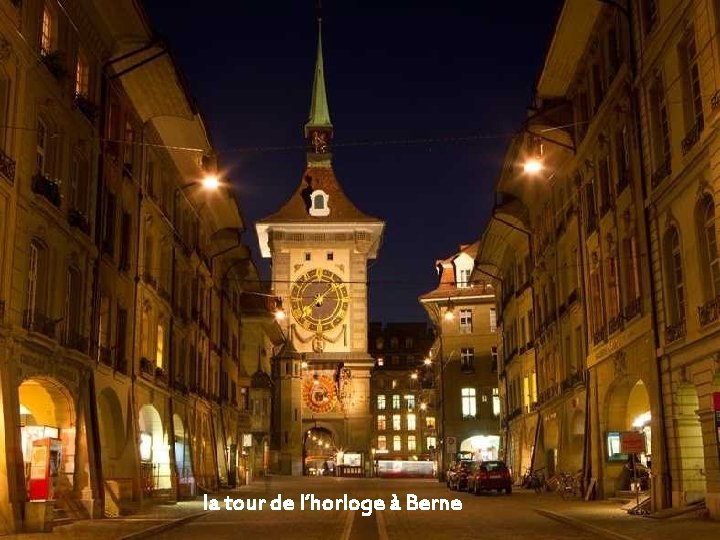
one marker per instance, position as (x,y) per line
(321,297)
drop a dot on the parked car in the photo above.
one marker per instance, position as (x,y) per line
(458,472)
(489,475)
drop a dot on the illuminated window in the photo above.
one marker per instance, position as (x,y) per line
(41,146)
(82,76)
(397,443)
(467,357)
(394,383)
(496,402)
(412,443)
(160,347)
(47,31)
(430,422)
(411,422)
(493,319)
(410,400)
(381,422)
(382,442)
(465,321)
(396,422)
(430,443)
(381,403)
(396,401)
(469,402)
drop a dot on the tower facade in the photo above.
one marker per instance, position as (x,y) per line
(320,244)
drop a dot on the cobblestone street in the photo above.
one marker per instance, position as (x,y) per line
(490,516)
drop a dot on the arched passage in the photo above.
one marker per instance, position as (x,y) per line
(112,430)
(48,438)
(154,450)
(690,444)
(183,460)
(319,452)
(482,447)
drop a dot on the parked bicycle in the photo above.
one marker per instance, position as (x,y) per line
(534,479)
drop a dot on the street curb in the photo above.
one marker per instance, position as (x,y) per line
(157,529)
(606,533)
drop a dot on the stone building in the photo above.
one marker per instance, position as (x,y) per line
(463,359)
(402,392)
(678,89)
(320,244)
(618,214)
(121,276)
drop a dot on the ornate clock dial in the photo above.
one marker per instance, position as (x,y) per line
(319,300)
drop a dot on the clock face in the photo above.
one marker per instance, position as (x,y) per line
(319,300)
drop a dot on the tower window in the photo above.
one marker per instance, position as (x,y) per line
(308,256)
(330,255)
(319,203)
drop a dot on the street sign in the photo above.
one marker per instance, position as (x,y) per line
(451,445)
(632,442)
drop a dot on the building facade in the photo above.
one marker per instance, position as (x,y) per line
(617,218)
(402,393)
(463,360)
(320,244)
(123,376)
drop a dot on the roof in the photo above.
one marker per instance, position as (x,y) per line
(448,289)
(342,210)
(319,110)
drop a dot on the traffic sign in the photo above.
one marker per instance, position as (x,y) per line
(632,442)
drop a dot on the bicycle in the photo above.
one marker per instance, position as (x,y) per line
(535,481)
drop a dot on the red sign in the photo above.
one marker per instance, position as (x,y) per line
(632,442)
(716,400)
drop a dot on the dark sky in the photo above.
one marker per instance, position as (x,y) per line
(396,76)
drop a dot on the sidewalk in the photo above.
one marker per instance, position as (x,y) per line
(608,520)
(152,519)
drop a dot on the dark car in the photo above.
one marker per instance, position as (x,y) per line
(489,475)
(458,472)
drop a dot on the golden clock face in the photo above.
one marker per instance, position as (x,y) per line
(319,300)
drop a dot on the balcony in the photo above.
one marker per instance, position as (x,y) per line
(55,63)
(600,335)
(7,167)
(632,309)
(674,332)
(106,356)
(50,189)
(79,221)
(709,312)
(616,323)
(692,137)
(33,321)
(147,367)
(76,341)
(577,378)
(549,393)
(86,107)
(161,377)
(661,173)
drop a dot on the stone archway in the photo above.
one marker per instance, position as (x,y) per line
(183,460)
(48,438)
(689,439)
(482,447)
(112,430)
(319,452)
(154,450)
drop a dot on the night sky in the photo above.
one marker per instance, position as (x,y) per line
(423,96)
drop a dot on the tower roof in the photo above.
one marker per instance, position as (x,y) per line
(319,110)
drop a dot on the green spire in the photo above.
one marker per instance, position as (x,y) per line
(319,110)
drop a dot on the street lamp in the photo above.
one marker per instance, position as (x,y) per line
(532,166)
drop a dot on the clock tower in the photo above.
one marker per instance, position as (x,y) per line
(320,243)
